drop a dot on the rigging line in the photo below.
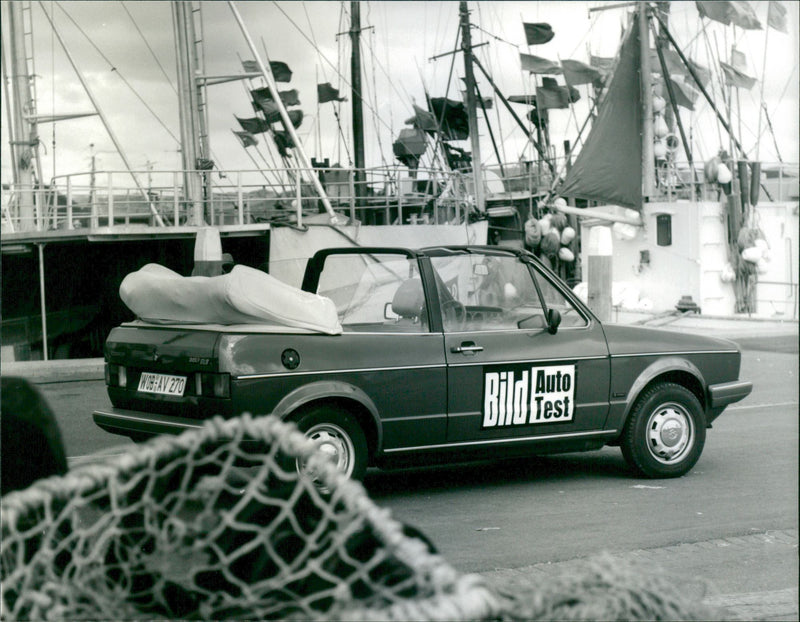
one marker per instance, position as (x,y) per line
(324,57)
(313,38)
(150,49)
(373,56)
(121,77)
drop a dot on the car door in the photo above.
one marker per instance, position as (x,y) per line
(508,376)
(387,348)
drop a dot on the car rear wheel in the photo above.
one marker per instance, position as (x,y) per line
(339,436)
(665,432)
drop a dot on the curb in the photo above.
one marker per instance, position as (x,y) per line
(65,370)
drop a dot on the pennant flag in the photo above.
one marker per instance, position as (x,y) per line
(685,95)
(272,113)
(254,125)
(553,95)
(283,141)
(289,98)
(538,117)
(423,120)
(576,72)
(738,60)
(326,93)
(776,16)
(736,12)
(736,78)
(409,146)
(523,99)
(248,140)
(296,117)
(536,34)
(455,125)
(603,63)
(673,61)
(703,73)
(535,64)
(280,71)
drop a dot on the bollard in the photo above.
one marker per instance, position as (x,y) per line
(599,272)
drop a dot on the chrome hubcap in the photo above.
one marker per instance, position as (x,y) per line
(670,433)
(335,443)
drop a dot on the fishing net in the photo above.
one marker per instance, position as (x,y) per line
(218,524)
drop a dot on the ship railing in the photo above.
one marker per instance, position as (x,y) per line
(678,180)
(381,195)
(109,198)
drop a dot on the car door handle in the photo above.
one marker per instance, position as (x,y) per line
(468,347)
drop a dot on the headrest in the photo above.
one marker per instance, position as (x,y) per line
(409,299)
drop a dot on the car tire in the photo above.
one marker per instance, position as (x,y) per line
(340,435)
(665,432)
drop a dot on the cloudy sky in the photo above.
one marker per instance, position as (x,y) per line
(125,52)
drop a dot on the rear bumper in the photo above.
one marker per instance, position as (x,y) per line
(722,395)
(121,421)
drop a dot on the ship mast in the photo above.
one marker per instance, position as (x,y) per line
(472,117)
(24,140)
(355,79)
(191,120)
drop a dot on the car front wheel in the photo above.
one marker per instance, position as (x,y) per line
(665,432)
(338,435)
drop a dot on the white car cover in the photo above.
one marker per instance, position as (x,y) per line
(156,294)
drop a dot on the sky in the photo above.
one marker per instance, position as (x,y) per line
(126,55)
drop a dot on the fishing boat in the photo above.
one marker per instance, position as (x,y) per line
(68,243)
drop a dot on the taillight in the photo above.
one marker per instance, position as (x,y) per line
(212,385)
(116,376)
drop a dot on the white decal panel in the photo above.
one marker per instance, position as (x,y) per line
(522,395)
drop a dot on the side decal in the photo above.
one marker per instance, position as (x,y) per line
(525,396)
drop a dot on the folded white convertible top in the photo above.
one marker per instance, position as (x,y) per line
(156,294)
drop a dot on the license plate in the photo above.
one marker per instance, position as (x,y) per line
(162,384)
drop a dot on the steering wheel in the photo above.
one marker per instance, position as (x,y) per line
(453,311)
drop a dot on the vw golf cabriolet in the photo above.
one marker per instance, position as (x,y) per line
(391,355)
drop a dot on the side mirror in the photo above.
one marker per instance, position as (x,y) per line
(553,320)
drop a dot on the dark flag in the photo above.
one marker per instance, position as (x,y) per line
(576,72)
(455,125)
(289,98)
(553,95)
(280,71)
(685,95)
(254,125)
(326,93)
(523,99)
(423,120)
(536,64)
(296,117)
(248,140)
(536,34)
(776,16)
(283,142)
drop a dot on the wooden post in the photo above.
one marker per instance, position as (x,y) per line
(599,254)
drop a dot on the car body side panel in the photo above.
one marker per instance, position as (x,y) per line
(404,376)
